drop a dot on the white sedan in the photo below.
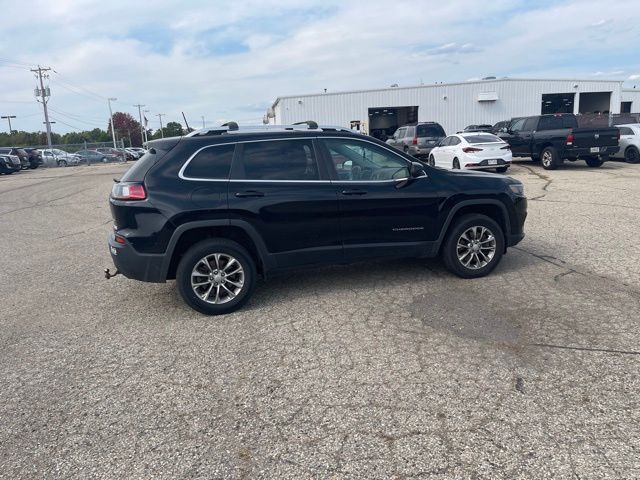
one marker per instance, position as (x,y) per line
(472,151)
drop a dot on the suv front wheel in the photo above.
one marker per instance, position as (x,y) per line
(473,247)
(216,276)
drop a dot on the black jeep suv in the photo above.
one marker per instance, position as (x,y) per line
(217,208)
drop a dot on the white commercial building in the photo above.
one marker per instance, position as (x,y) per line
(455,105)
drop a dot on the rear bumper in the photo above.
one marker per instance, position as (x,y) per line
(134,265)
(420,151)
(581,152)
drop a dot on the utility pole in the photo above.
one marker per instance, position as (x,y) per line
(141,126)
(203,121)
(160,115)
(9,117)
(113,130)
(44,93)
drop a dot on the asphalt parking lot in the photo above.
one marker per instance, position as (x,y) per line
(389,369)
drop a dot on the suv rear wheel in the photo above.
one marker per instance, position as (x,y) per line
(473,247)
(216,276)
(632,155)
(549,157)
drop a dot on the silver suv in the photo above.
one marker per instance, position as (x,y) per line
(417,139)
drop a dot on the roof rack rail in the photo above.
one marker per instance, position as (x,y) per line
(309,123)
(230,125)
(233,128)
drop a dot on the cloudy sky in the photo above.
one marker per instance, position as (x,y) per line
(230,59)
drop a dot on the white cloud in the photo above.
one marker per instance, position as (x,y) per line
(179,58)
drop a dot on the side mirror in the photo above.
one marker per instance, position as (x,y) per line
(417,170)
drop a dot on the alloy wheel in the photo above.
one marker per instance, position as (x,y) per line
(476,247)
(217,278)
(547,158)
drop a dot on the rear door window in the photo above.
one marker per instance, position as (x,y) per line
(625,131)
(552,122)
(280,160)
(210,163)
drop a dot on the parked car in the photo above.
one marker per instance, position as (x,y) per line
(118,152)
(139,150)
(18,152)
(217,208)
(417,139)
(9,164)
(472,151)
(479,128)
(136,155)
(35,157)
(629,142)
(555,138)
(93,156)
(58,157)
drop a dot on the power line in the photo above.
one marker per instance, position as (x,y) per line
(79,118)
(80,87)
(67,124)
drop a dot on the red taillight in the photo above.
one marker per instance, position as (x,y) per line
(506,147)
(469,165)
(569,140)
(128,191)
(471,149)
(120,239)
(415,141)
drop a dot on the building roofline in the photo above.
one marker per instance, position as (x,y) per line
(434,85)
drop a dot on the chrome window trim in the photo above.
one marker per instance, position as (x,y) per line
(182,176)
(198,179)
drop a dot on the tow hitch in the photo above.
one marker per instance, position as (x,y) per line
(108,274)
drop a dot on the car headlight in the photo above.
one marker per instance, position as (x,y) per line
(517,188)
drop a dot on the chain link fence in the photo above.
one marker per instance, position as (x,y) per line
(60,152)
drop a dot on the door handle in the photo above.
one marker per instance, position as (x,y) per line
(249,193)
(354,192)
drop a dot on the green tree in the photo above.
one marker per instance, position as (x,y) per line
(171,129)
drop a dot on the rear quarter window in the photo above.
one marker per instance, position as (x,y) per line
(211,162)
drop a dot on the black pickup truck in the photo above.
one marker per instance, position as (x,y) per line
(555,138)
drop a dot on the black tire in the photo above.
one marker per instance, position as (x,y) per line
(432,161)
(456,164)
(632,155)
(33,166)
(593,162)
(450,246)
(62,163)
(550,158)
(210,247)
(502,169)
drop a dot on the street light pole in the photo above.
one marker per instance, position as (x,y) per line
(141,126)
(9,117)
(113,131)
(159,115)
(203,121)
